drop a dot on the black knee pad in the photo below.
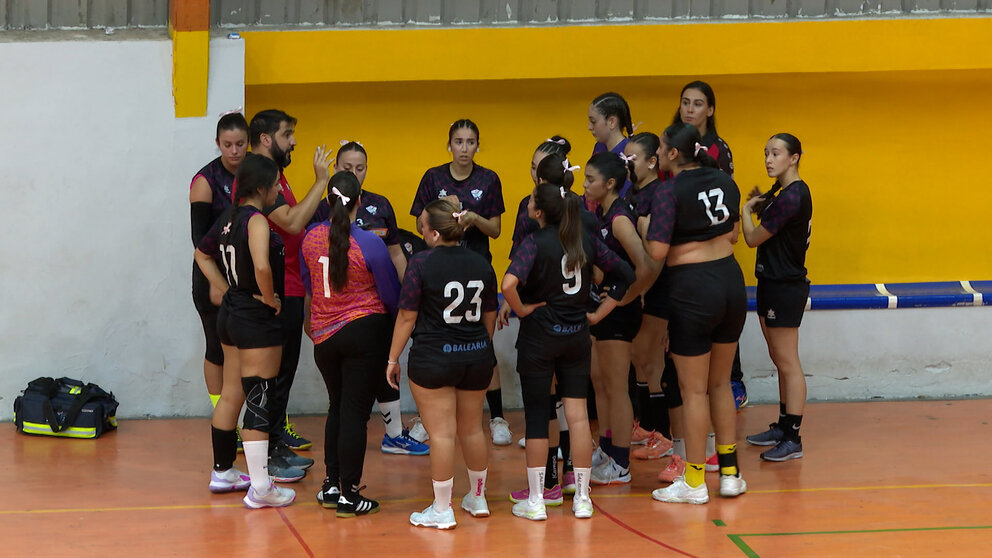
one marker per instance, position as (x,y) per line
(538,405)
(256,403)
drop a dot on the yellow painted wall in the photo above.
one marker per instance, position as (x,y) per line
(896,160)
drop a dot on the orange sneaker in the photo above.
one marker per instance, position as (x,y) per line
(675,469)
(640,436)
(656,448)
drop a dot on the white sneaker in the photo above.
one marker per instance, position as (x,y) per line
(275,497)
(582,507)
(609,473)
(417,431)
(430,517)
(522,442)
(231,480)
(534,511)
(501,431)
(680,493)
(598,457)
(475,505)
(732,485)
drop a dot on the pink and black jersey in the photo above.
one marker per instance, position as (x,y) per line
(227,243)
(294,286)
(702,204)
(481,193)
(450,287)
(619,208)
(540,265)
(372,287)
(375,214)
(641,200)
(789,219)
(221,183)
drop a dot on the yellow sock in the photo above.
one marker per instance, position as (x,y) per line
(729,449)
(214,398)
(695,474)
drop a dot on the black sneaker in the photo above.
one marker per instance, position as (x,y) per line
(329,494)
(298,461)
(784,451)
(354,504)
(769,437)
(282,471)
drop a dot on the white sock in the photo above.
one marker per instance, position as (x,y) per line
(442,494)
(477,482)
(560,413)
(391,418)
(710,444)
(678,447)
(582,482)
(535,482)
(257,456)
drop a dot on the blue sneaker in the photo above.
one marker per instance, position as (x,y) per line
(292,439)
(403,445)
(740,394)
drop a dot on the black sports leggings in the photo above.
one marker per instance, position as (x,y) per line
(353,364)
(292,326)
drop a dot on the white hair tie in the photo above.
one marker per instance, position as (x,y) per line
(345,200)
(636,126)
(558,141)
(346,142)
(458,216)
(699,147)
(627,159)
(229,112)
(562,190)
(566,165)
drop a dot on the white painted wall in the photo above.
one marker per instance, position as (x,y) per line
(95,258)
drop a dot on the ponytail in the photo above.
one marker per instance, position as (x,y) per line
(570,232)
(650,144)
(441,218)
(562,208)
(685,139)
(612,104)
(345,184)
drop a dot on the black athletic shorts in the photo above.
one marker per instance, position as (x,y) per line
(656,301)
(565,358)
(622,324)
(247,323)
(782,303)
(468,377)
(709,305)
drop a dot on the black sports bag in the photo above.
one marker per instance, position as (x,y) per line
(65,408)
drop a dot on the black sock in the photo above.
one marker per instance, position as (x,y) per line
(658,410)
(781,412)
(622,457)
(565,443)
(225,444)
(495,399)
(551,468)
(790,426)
(643,407)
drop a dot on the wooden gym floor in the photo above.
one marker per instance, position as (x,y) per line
(878,479)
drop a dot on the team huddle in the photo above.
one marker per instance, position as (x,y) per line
(633,275)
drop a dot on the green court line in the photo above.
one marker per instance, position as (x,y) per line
(738,538)
(719,523)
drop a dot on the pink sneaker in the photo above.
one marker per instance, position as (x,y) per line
(568,482)
(656,448)
(675,469)
(640,436)
(552,496)
(713,464)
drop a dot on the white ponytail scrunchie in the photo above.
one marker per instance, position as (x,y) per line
(345,200)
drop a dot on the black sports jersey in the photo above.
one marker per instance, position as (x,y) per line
(450,287)
(221,183)
(641,200)
(719,150)
(227,243)
(789,219)
(540,265)
(619,208)
(375,214)
(702,204)
(524,225)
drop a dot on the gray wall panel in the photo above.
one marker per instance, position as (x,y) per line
(27,14)
(656,9)
(389,11)
(69,13)
(701,8)
(618,9)
(581,10)
(811,8)
(768,8)
(731,8)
